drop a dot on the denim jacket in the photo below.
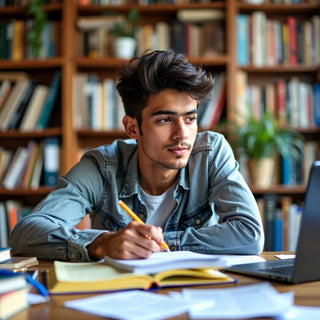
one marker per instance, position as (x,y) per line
(215,210)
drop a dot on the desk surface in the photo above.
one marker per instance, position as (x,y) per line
(307,294)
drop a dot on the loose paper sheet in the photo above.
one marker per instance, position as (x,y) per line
(257,300)
(130,305)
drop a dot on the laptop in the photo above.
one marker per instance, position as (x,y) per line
(306,264)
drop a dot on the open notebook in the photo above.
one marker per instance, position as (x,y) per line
(306,265)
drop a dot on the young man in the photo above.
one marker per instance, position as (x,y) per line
(185,185)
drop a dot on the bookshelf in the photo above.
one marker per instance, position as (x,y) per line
(71,61)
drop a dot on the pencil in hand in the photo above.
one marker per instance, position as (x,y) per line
(136,218)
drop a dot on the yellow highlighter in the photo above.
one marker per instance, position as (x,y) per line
(136,218)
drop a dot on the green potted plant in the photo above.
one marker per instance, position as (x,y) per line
(123,32)
(261,140)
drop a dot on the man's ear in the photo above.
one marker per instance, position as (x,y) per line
(131,126)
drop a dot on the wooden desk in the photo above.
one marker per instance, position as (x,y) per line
(307,294)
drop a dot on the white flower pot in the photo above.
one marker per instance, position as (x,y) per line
(124,47)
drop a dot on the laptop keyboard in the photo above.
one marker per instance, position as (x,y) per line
(286,270)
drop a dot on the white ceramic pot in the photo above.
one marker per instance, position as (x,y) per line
(124,47)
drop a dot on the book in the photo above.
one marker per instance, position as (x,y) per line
(18,262)
(213,109)
(12,102)
(16,168)
(163,261)
(3,226)
(10,283)
(12,208)
(270,207)
(70,277)
(5,88)
(51,161)
(18,114)
(243,39)
(13,294)
(33,148)
(37,169)
(49,102)
(200,15)
(5,254)
(5,160)
(13,302)
(316,107)
(34,108)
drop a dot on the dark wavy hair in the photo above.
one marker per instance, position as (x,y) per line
(158,70)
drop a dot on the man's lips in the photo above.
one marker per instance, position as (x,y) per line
(179,150)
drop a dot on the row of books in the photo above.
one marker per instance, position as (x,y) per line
(289,171)
(11,211)
(7,3)
(265,41)
(295,171)
(30,166)
(294,101)
(281,219)
(212,111)
(288,1)
(138,2)
(194,33)
(26,104)
(97,105)
(14,44)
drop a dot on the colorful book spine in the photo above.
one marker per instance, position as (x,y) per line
(243,39)
(316,102)
(51,161)
(50,102)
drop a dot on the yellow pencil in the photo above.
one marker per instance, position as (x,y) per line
(136,218)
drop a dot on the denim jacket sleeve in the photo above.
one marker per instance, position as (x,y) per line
(49,231)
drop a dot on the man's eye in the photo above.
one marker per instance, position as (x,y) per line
(164,120)
(191,118)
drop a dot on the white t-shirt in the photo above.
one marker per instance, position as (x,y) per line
(159,207)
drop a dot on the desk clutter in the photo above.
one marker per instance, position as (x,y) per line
(234,301)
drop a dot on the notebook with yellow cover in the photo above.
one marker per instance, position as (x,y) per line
(84,277)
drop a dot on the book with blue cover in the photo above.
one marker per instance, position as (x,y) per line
(5,254)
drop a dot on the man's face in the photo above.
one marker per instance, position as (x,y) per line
(168,130)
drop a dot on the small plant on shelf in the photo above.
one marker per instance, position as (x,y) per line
(261,140)
(123,32)
(125,27)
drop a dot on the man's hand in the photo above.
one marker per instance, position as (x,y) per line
(135,241)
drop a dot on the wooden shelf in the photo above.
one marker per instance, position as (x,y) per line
(84,62)
(289,69)
(285,9)
(31,64)
(158,8)
(280,189)
(17,134)
(41,191)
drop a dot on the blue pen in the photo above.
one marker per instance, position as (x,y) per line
(39,286)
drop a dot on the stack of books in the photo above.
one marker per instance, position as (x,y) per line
(13,294)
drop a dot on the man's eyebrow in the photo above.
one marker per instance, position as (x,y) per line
(169,112)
